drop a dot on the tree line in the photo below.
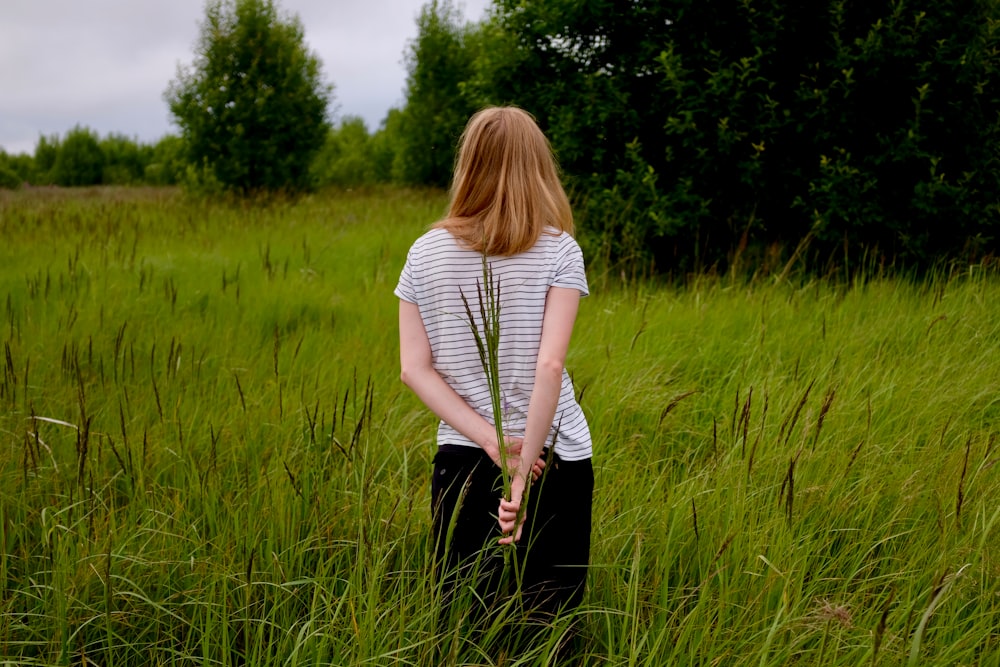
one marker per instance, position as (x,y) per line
(350,155)
(82,157)
(693,135)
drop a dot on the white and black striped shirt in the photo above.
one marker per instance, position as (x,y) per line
(438,271)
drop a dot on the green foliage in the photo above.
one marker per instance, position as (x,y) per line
(125,160)
(80,159)
(9,179)
(21,164)
(385,146)
(253,107)
(439,61)
(167,163)
(348,156)
(46,153)
(693,130)
(83,158)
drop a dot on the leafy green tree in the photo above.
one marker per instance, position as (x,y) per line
(125,159)
(385,146)
(253,107)
(347,158)
(46,152)
(168,162)
(438,61)
(22,165)
(692,130)
(9,178)
(80,159)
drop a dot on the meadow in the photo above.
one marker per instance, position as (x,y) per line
(206,455)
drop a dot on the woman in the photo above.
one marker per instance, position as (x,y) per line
(508,204)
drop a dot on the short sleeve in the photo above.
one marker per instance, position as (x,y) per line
(570,272)
(405,289)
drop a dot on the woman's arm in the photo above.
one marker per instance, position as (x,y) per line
(418,373)
(561,304)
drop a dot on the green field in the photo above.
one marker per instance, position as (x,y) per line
(206,455)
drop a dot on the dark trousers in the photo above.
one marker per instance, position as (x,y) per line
(554,550)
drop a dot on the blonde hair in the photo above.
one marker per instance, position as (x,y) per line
(506,186)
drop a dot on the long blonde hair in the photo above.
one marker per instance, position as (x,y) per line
(506,186)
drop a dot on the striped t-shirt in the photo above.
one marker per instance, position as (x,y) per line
(438,271)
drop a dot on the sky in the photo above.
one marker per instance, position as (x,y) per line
(105,64)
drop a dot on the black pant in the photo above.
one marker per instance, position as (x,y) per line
(554,550)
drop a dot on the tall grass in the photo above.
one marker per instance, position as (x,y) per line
(206,456)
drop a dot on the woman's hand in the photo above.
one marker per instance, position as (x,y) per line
(508,519)
(514,459)
(507,514)
(510,515)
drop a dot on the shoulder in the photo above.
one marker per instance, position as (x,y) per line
(562,244)
(566,258)
(558,240)
(432,241)
(433,237)
(558,237)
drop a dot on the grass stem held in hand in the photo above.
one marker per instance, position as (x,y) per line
(488,345)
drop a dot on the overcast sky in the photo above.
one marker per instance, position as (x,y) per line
(106,63)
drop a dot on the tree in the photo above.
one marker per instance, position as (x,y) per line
(693,129)
(46,153)
(80,159)
(9,178)
(347,158)
(385,145)
(167,163)
(438,61)
(253,107)
(21,165)
(125,159)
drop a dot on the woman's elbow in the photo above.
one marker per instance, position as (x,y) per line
(551,367)
(406,376)
(411,375)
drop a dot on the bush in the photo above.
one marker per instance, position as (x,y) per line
(253,108)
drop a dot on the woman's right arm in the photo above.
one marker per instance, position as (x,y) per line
(561,305)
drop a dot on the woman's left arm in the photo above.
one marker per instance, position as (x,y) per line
(561,306)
